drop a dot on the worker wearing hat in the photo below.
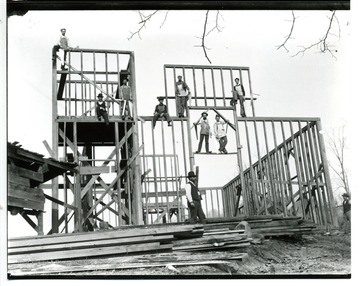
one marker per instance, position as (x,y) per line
(347,212)
(194,199)
(161,112)
(205,132)
(101,110)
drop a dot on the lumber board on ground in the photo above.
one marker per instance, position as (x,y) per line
(123,262)
(82,253)
(90,244)
(131,232)
(212,246)
(216,238)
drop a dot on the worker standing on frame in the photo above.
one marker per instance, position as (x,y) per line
(194,200)
(205,132)
(126,98)
(220,130)
(101,110)
(63,46)
(239,94)
(182,93)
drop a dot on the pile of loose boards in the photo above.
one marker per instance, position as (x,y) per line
(131,242)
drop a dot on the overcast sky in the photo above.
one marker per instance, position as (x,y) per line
(310,85)
(314,85)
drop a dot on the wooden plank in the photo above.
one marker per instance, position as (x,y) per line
(22,172)
(22,188)
(89,244)
(88,170)
(80,253)
(231,237)
(26,196)
(211,246)
(18,180)
(112,262)
(121,233)
(24,203)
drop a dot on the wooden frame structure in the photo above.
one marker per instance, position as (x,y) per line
(282,162)
(104,190)
(131,173)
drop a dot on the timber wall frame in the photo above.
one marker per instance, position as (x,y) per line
(282,161)
(105,186)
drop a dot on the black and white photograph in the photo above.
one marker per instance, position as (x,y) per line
(202,141)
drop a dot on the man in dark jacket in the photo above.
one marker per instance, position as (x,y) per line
(347,212)
(161,112)
(194,200)
(101,109)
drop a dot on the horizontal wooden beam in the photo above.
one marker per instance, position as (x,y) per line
(21,7)
(22,172)
(279,119)
(90,119)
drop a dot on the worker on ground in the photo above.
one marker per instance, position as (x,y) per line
(347,213)
(101,110)
(161,112)
(239,94)
(194,200)
(182,93)
(220,129)
(126,98)
(205,132)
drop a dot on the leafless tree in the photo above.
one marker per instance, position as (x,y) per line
(337,145)
(323,45)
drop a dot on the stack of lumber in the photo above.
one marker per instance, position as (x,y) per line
(97,244)
(124,262)
(213,240)
(271,225)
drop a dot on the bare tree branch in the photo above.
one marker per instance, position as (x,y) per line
(203,37)
(165,18)
(205,34)
(322,44)
(288,37)
(144,19)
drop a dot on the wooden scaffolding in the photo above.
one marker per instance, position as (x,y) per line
(131,173)
(282,164)
(104,191)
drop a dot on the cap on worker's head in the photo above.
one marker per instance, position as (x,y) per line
(179,76)
(191,174)
(217,116)
(345,195)
(160,98)
(204,113)
(62,29)
(237,78)
(100,95)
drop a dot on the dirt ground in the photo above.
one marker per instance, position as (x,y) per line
(319,254)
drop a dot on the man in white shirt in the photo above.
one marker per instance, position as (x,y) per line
(220,129)
(239,94)
(63,47)
(182,91)
(194,200)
